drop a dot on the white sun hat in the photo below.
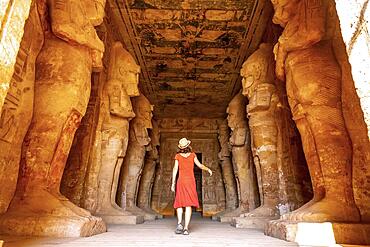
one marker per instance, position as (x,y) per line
(183,143)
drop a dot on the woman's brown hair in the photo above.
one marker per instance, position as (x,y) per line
(188,149)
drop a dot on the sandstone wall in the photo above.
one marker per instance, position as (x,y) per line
(16,113)
(13,15)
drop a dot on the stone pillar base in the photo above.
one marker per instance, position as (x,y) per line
(251,222)
(139,212)
(216,217)
(226,219)
(51,226)
(220,214)
(151,211)
(123,219)
(319,234)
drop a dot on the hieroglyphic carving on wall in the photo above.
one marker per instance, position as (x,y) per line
(188,125)
(17,110)
(13,16)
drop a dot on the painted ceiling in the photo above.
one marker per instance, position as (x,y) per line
(190,51)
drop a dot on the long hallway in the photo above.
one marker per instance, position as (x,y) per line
(203,233)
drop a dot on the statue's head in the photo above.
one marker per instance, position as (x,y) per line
(259,67)
(223,137)
(284,11)
(123,67)
(95,11)
(236,117)
(143,110)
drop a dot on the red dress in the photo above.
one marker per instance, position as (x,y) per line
(186,193)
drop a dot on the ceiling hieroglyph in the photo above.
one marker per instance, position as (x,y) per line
(190,51)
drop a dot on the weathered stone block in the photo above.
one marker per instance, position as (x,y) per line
(251,222)
(319,234)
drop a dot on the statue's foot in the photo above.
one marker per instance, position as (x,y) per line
(42,202)
(222,213)
(112,211)
(292,215)
(41,213)
(67,203)
(151,211)
(236,212)
(263,211)
(327,210)
(138,211)
(116,206)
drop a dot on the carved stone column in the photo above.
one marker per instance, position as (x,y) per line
(305,58)
(227,170)
(63,72)
(242,159)
(121,85)
(147,178)
(259,88)
(134,160)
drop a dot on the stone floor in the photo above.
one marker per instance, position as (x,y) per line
(203,233)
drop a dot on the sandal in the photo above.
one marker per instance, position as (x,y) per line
(185,232)
(179,229)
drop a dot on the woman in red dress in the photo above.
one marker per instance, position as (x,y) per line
(186,193)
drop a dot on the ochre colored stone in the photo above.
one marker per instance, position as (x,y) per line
(259,88)
(16,112)
(122,83)
(62,88)
(13,16)
(227,170)
(134,160)
(144,194)
(314,89)
(242,158)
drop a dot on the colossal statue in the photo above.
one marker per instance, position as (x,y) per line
(241,158)
(304,57)
(259,88)
(122,83)
(70,52)
(147,178)
(227,169)
(134,160)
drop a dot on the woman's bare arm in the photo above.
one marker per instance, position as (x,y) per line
(201,166)
(174,173)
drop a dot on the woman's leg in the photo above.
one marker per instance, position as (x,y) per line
(187,217)
(179,215)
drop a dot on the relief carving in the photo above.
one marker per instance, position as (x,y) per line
(16,112)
